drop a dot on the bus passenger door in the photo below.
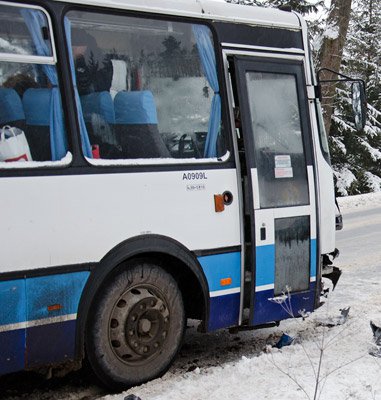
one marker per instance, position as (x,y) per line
(280,210)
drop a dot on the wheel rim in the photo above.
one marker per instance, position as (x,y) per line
(138,325)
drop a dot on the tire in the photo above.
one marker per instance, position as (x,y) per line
(135,327)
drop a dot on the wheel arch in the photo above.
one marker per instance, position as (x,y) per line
(171,255)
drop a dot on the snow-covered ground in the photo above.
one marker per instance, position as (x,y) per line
(220,365)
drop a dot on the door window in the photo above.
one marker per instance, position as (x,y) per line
(278,144)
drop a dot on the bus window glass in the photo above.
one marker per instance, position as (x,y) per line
(148,88)
(32,129)
(16,37)
(276,126)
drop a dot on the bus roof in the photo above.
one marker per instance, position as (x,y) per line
(206,9)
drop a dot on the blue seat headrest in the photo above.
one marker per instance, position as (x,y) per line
(99,103)
(135,108)
(11,108)
(37,106)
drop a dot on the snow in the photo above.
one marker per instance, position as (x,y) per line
(331,32)
(66,160)
(339,144)
(374,153)
(374,181)
(156,161)
(360,202)
(344,179)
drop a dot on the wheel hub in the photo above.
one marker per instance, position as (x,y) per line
(138,325)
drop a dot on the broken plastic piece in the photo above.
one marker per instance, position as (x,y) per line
(285,340)
(334,276)
(376,333)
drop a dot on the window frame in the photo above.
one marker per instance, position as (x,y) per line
(27,58)
(52,60)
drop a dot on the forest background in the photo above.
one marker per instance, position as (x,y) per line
(346,37)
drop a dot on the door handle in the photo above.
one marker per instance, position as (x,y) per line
(263,233)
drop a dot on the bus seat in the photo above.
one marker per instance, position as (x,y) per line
(11,109)
(99,115)
(136,125)
(37,114)
(98,103)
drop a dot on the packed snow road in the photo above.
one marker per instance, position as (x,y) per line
(221,366)
(361,237)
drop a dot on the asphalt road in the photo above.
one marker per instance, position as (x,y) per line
(360,237)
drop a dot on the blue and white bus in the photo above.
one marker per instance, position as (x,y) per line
(160,160)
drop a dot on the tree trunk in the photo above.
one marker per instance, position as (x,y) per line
(331,52)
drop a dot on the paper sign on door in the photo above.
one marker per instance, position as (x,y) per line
(283,167)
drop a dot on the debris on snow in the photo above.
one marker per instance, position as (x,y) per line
(376,333)
(330,322)
(285,340)
(376,349)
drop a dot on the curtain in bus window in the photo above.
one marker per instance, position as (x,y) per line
(35,22)
(208,61)
(86,147)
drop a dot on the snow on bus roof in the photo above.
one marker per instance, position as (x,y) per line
(205,9)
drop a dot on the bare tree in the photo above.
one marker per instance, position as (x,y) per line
(331,51)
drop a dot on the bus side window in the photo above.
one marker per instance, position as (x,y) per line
(164,87)
(29,95)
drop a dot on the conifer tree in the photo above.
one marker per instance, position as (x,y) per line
(356,156)
(301,6)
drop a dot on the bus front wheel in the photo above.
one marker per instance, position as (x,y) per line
(135,326)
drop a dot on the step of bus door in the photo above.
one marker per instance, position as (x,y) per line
(136,125)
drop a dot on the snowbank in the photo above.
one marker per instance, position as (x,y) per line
(360,202)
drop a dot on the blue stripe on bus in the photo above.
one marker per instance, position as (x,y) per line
(220,266)
(266,310)
(12,351)
(45,344)
(12,302)
(50,344)
(27,300)
(224,311)
(64,290)
(313,258)
(265,258)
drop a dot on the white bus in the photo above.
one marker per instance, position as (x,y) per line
(160,160)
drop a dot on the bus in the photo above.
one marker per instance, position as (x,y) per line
(159,161)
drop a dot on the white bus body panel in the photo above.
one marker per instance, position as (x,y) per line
(206,9)
(63,220)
